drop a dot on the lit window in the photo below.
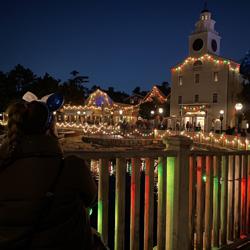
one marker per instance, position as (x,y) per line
(180,99)
(216,76)
(197,63)
(180,80)
(206,17)
(196,98)
(215,98)
(196,78)
(202,17)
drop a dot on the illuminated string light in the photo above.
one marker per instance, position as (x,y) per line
(209,58)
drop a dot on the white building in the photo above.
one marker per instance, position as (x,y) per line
(204,83)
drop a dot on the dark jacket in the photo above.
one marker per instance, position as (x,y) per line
(23,185)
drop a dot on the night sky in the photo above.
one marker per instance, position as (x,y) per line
(119,43)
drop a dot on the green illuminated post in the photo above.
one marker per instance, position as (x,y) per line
(178,227)
(161,210)
(103,198)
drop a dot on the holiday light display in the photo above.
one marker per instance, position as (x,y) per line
(217,140)
(102,129)
(155,93)
(208,58)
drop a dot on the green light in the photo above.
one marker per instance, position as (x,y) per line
(170,197)
(204,178)
(90,211)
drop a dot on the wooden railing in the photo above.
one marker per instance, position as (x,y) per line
(202,201)
(235,142)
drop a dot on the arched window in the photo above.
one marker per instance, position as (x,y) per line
(197,63)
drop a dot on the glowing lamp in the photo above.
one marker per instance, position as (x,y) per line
(238,106)
(161,110)
(222,112)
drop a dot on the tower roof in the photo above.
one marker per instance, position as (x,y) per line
(205,8)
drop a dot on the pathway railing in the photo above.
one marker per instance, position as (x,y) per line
(215,140)
(202,202)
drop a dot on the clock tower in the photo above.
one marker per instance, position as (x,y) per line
(204,39)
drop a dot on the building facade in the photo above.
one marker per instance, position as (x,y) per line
(205,85)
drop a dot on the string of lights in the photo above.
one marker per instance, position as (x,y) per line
(208,58)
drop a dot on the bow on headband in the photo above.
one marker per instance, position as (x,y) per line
(53,101)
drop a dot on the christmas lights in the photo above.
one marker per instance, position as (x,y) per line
(209,58)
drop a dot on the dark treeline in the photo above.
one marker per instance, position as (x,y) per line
(15,83)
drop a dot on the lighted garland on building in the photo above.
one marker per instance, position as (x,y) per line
(155,93)
(101,129)
(209,58)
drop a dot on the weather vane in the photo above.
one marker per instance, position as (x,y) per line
(205,4)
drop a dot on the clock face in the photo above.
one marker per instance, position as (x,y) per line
(198,44)
(214,45)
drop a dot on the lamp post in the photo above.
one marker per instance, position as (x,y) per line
(221,119)
(161,110)
(238,108)
(120,112)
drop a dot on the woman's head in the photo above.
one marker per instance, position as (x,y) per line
(27,118)
(30,118)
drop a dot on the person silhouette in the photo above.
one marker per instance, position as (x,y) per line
(43,196)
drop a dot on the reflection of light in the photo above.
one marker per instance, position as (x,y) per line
(247,125)
(222,112)
(238,106)
(120,112)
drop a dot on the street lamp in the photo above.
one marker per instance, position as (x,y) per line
(152,112)
(161,111)
(221,119)
(238,108)
(120,112)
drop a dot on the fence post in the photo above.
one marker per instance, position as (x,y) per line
(103,198)
(161,209)
(120,203)
(177,226)
(135,205)
(149,205)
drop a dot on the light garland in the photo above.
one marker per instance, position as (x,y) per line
(101,129)
(210,59)
(155,93)
(213,139)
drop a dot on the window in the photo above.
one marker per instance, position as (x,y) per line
(202,17)
(196,98)
(196,78)
(197,63)
(216,76)
(206,17)
(215,98)
(180,80)
(180,99)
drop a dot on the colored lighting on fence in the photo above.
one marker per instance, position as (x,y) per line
(204,178)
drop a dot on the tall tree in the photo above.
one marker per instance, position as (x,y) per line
(45,85)
(244,96)
(74,88)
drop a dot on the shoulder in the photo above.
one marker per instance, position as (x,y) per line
(4,150)
(75,162)
(74,159)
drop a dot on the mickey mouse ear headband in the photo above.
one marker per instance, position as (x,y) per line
(53,101)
